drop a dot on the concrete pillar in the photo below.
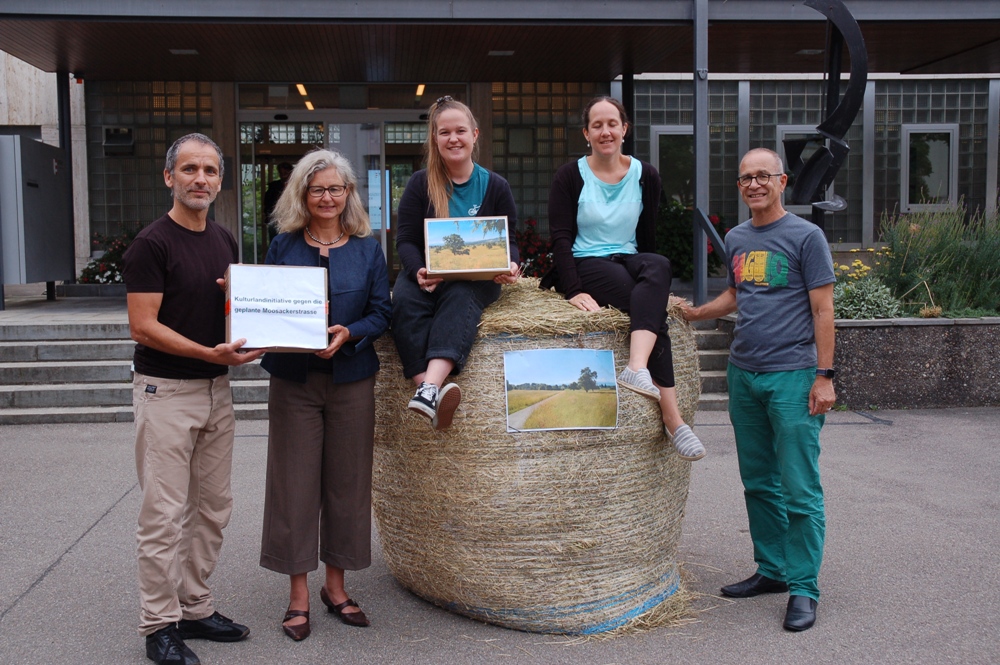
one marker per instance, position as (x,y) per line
(481,103)
(225,134)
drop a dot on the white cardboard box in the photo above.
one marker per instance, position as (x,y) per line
(282,308)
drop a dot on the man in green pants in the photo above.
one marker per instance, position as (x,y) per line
(780,278)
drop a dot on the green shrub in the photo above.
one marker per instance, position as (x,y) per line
(535,251)
(864,298)
(675,239)
(943,258)
(108,268)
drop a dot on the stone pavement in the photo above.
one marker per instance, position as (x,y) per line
(911,573)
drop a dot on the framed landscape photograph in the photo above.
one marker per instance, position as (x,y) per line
(467,247)
(560,389)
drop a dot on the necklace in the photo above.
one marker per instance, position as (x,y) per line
(325,244)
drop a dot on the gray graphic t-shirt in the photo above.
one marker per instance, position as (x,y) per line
(773,268)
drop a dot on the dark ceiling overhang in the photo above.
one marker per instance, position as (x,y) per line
(429,41)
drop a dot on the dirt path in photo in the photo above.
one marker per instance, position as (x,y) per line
(517,419)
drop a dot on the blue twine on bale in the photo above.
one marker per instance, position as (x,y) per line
(533,619)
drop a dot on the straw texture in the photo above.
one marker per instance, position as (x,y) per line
(557,532)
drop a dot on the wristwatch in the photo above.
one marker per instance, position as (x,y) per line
(827,372)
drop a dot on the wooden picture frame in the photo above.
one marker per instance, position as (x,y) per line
(473,248)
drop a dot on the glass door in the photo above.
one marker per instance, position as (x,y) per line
(361,144)
(383,146)
(268,151)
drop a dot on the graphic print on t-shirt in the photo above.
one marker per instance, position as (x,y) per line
(762,268)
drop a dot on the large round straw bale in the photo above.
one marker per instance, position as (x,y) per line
(549,531)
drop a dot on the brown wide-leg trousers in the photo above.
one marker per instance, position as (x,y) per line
(318,493)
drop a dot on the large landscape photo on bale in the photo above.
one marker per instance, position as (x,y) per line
(560,389)
(469,247)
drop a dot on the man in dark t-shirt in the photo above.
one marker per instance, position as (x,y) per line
(183,405)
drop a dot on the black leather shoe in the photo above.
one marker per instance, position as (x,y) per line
(165,647)
(217,628)
(754,585)
(801,613)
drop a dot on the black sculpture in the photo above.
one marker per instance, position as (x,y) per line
(814,176)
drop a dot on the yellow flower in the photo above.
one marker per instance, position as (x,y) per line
(855,251)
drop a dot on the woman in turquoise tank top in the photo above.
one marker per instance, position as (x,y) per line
(602,219)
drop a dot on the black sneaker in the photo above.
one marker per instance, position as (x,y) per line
(424,401)
(217,628)
(448,400)
(165,647)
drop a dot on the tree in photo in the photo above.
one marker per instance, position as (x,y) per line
(588,379)
(455,243)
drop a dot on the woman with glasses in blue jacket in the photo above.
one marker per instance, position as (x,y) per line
(321,405)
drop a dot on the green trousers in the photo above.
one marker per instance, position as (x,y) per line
(777,443)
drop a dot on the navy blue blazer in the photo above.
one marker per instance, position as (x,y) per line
(359,300)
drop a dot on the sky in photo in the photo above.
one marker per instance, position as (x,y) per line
(437,230)
(557,366)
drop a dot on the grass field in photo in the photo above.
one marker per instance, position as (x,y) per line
(571,409)
(522,399)
(480,256)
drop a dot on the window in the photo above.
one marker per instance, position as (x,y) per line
(672,153)
(929,167)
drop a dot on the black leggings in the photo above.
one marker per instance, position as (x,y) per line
(638,284)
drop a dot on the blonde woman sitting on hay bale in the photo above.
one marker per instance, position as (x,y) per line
(602,219)
(433,321)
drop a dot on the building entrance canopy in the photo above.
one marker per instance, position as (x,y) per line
(479,40)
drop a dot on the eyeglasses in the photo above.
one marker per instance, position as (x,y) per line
(334,190)
(761,178)
(446,98)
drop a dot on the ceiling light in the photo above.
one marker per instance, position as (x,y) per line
(183,51)
(309,105)
(420,90)
(301,88)
(810,51)
(500,53)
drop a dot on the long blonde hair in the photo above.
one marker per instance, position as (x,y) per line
(291,213)
(439,185)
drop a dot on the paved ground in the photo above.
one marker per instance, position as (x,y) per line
(911,573)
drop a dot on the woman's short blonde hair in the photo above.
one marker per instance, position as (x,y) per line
(291,213)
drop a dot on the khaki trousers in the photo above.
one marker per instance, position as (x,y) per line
(184,459)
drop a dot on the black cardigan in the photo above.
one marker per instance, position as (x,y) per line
(564,202)
(415,205)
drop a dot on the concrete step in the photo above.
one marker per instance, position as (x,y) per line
(713,402)
(76,349)
(72,371)
(707,324)
(92,371)
(63,331)
(104,414)
(714,381)
(713,359)
(711,340)
(104,394)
